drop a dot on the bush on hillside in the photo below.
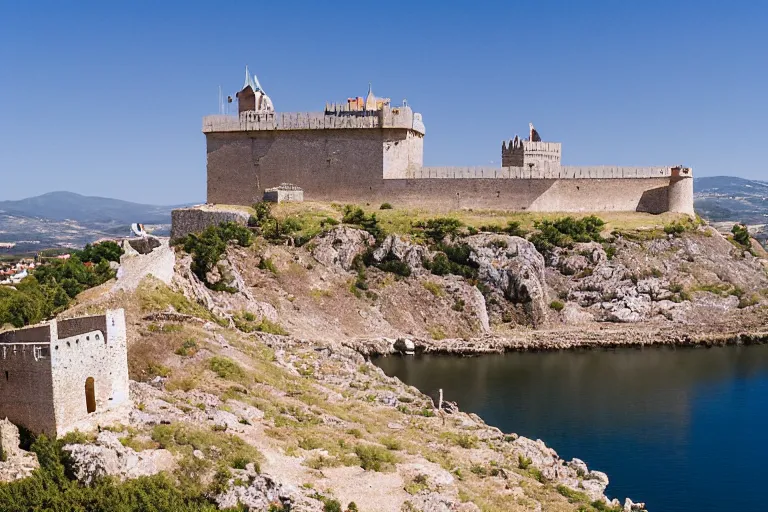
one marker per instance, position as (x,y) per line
(566,231)
(108,251)
(208,247)
(355,215)
(437,229)
(741,236)
(49,290)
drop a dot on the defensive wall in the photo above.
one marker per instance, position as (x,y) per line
(384,165)
(54,375)
(195,219)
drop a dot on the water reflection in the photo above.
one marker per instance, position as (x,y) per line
(648,417)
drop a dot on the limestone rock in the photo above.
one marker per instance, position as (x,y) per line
(512,267)
(255,492)
(15,463)
(340,245)
(108,457)
(572,314)
(144,245)
(405,345)
(395,247)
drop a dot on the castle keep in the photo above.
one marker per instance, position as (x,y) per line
(367,150)
(56,375)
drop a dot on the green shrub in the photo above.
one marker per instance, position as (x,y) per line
(453,259)
(50,488)
(566,231)
(104,251)
(391,443)
(226,368)
(356,215)
(433,288)
(741,236)
(573,496)
(208,247)
(512,228)
(385,206)
(437,229)
(556,305)
(373,457)
(187,348)
(268,264)
(458,305)
(523,462)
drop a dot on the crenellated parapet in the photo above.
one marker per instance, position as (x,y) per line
(335,117)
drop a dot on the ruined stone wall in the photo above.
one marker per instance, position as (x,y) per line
(194,220)
(26,389)
(86,347)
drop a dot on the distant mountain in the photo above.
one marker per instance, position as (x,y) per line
(730,199)
(70,206)
(66,219)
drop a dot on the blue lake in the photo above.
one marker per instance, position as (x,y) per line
(680,429)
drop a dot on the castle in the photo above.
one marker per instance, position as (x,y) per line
(58,375)
(366,150)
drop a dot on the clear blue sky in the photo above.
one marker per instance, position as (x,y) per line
(106,98)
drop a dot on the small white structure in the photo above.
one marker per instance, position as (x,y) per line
(285,193)
(57,375)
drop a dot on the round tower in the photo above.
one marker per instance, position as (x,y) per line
(680,194)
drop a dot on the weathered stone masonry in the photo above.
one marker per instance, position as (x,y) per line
(54,375)
(372,153)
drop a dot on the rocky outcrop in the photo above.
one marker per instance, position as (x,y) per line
(339,246)
(15,463)
(252,491)
(394,247)
(108,457)
(512,269)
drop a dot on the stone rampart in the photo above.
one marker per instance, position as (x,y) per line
(196,219)
(387,118)
(543,171)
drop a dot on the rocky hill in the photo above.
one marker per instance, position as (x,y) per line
(251,383)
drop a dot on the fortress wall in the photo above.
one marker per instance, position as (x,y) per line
(26,387)
(578,195)
(194,220)
(89,351)
(403,154)
(346,162)
(544,171)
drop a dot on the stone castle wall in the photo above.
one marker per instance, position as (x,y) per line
(382,166)
(26,387)
(194,220)
(89,347)
(47,367)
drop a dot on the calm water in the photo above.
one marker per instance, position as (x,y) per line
(683,430)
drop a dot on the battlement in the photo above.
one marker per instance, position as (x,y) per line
(546,171)
(331,119)
(520,153)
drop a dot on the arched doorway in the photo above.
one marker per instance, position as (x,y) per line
(90,395)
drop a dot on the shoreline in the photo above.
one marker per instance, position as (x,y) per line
(545,341)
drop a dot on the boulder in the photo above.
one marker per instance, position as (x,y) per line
(405,345)
(339,246)
(395,247)
(144,245)
(108,457)
(512,267)
(15,463)
(252,491)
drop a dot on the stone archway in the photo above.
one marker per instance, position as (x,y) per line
(90,395)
